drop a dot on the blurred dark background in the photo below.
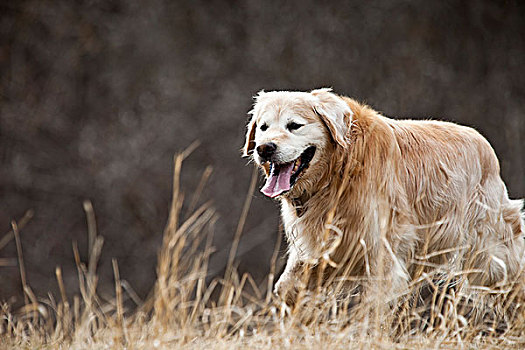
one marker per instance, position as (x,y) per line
(97,96)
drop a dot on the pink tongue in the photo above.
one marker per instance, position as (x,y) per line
(275,185)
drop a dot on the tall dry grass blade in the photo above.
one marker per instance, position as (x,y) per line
(200,187)
(21,224)
(76,311)
(91,314)
(62,289)
(64,320)
(93,260)
(131,292)
(176,200)
(325,255)
(21,265)
(34,307)
(200,291)
(118,295)
(189,150)
(273,262)
(173,243)
(92,225)
(240,224)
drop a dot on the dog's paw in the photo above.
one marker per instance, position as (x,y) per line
(281,286)
(287,288)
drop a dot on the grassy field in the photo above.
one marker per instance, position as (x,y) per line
(185,310)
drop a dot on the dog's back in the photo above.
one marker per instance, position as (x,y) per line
(458,199)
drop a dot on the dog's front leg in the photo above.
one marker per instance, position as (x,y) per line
(290,281)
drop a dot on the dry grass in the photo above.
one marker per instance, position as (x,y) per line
(186,310)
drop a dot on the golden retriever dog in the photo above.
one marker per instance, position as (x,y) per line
(366,196)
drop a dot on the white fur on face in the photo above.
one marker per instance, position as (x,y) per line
(277,113)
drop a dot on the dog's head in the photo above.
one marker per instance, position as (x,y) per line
(290,134)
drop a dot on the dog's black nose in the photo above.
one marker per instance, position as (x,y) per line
(266,150)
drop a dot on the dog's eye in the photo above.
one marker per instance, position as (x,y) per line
(293,126)
(264,127)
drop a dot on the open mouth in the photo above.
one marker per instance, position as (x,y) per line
(284,175)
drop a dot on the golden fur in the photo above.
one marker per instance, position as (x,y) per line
(382,196)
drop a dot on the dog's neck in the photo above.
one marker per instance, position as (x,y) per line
(299,203)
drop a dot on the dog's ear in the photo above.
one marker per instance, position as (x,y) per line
(335,114)
(250,137)
(252,126)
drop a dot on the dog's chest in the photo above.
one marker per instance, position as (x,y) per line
(301,231)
